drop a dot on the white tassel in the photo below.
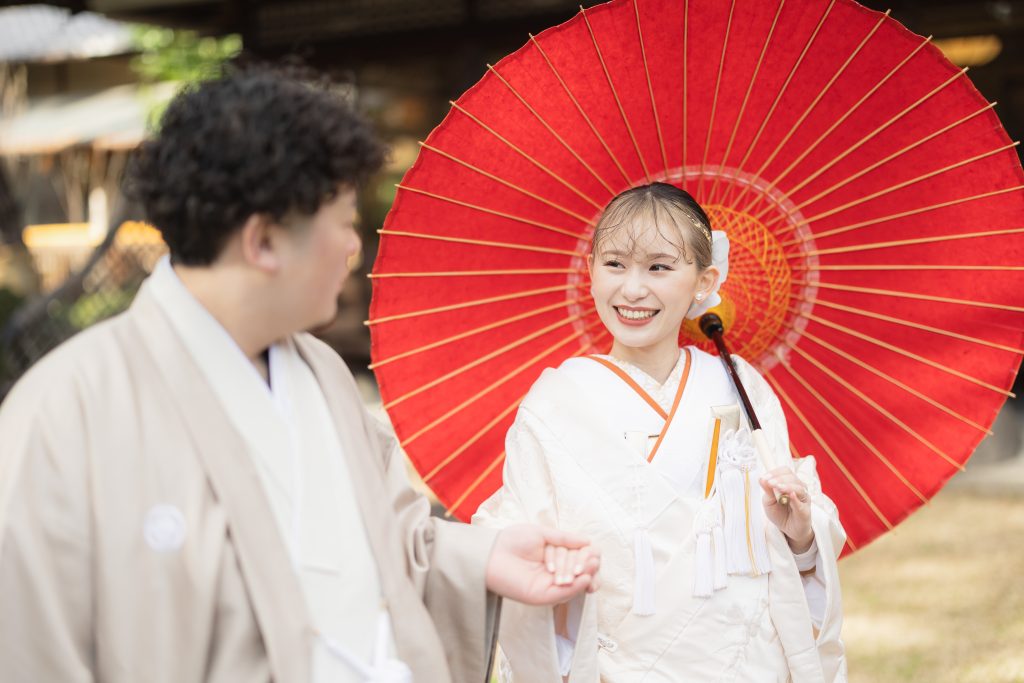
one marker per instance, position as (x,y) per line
(736,551)
(758,541)
(643,590)
(746,548)
(709,561)
(718,541)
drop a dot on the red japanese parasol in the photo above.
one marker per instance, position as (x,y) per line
(873,201)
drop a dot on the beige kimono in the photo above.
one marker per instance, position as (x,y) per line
(105,436)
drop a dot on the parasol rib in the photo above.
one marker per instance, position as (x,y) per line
(517,188)
(912,295)
(714,101)
(450,512)
(914,240)
(475,302)
(880,409)
(494,212)
(486,357)
(713,192)
(586,118)
(551,130)
(918,266)
(849,112)
(903,214)
(775,104)
(483,243)
(491,467)
(615,94)
(905,353)
(870,136)
(686,48)
(914,325)
(476,273)
(814,103)
(650,88)
(895,382)
(471,440)
(477,330)
(828,450)
(859,174)
(494,385)
(518,150)
(793,451)
(900,186)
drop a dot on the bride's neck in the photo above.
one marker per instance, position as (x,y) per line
(657,361)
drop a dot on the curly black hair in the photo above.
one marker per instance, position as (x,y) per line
(256,140)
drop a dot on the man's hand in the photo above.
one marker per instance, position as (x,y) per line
(541,566)
(794,519)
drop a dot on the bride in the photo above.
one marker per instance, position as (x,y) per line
(706,576)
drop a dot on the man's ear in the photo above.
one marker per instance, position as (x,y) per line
(260,243)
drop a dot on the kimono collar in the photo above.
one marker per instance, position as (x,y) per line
(213,349)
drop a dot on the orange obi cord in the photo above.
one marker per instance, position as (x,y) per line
(647,397)
(713,457)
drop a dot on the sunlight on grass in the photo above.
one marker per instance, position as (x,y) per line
(942,598)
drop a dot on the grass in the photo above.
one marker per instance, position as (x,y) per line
(941,599)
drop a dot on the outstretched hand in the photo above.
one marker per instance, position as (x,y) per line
(541,566)
(794,518)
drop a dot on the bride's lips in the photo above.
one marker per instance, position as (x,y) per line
(641,316)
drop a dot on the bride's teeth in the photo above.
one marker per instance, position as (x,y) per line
(635,315)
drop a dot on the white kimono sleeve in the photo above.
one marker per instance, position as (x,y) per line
(527,633)
(822,586)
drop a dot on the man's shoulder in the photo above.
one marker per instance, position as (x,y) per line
(320,355)
(93,355)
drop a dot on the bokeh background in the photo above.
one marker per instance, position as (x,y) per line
(82,81)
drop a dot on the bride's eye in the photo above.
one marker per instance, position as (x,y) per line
(613,263)
(660,267)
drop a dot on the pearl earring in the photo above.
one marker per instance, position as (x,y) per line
(700,296)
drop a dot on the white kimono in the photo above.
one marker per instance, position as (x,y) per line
(673,606)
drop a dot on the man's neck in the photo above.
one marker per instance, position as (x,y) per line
(235,307)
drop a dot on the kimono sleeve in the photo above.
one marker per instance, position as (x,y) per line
(531,650)
(821,586)
(447,562)
(45,542)
(527,493)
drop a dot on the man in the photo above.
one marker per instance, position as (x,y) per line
(192,491)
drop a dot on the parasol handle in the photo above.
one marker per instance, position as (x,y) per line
(713,328)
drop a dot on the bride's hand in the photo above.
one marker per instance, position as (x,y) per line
(793,519)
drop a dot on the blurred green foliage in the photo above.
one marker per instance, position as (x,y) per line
(167,54)
(179,56)
(94,307)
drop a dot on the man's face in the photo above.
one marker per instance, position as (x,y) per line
(320,249)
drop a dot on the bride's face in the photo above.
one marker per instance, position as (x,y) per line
(643,285)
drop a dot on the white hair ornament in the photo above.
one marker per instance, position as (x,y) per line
(719,259)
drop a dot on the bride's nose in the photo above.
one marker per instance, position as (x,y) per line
(634,287)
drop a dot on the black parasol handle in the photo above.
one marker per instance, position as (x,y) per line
(711,325)
(713,328)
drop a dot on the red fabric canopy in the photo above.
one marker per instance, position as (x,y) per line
(872,198)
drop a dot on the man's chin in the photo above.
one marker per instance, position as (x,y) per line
(325,319)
